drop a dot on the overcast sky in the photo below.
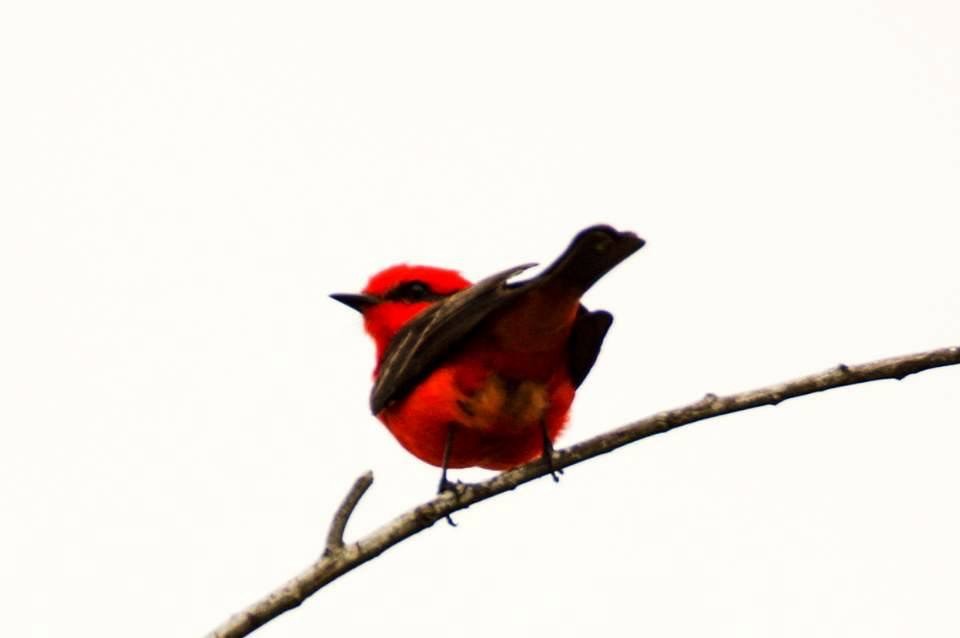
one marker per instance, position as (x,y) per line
(182,407)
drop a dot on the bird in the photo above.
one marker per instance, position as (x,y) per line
(484,374)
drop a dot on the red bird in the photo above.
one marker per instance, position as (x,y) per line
(484,374)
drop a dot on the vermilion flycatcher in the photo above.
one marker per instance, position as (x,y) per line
(484,374)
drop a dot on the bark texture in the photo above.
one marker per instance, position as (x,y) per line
(339,558)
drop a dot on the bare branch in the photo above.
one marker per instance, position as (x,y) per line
(345,558)
(339,522)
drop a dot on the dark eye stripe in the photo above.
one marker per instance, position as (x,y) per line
(413,291)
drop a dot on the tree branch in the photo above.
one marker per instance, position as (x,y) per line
(339,559)
(339,522)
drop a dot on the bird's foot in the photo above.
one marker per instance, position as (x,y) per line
(448,486)
(555,472)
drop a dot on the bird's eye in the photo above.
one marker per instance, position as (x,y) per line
(411,291)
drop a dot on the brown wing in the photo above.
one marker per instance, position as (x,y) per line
(586,337)
(430,336)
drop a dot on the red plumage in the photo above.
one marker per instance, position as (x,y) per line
(485,375)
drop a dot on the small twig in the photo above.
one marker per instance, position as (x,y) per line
(339,522)
(334,564)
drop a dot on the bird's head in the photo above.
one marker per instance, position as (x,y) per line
(394,296)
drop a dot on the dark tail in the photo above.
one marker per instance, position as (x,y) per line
(591,255)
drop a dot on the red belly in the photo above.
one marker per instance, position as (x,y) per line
(497,421)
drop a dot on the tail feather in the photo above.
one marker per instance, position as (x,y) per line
(591,255)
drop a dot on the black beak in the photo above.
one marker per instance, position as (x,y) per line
(357,302)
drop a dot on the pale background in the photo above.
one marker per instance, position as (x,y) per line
(182,407)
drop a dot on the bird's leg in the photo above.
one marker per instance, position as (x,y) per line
(444,483)
(447,446)
(548,452)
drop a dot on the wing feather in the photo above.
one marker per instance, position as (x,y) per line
(586,337)
(430,336)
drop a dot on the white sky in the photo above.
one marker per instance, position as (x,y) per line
(182,407)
